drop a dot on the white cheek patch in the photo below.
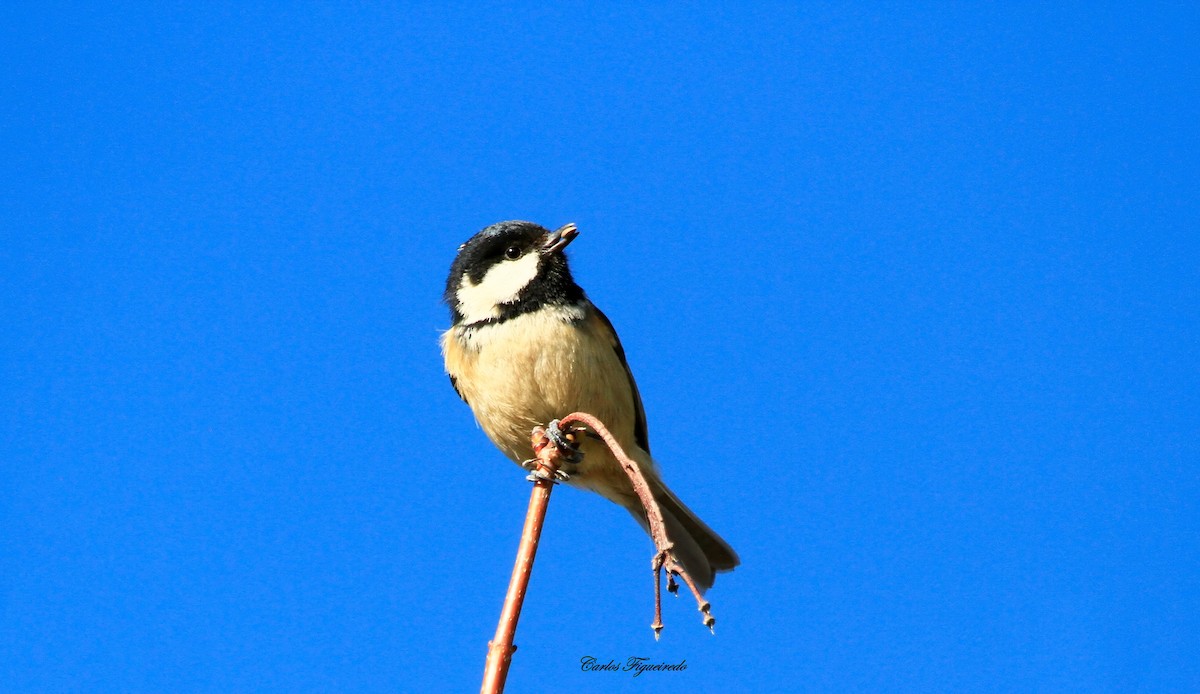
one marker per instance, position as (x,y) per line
(502,284)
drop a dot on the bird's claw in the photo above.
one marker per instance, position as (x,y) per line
(569,449)
(539,475)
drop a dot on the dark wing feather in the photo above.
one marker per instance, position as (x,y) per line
(454,384)
(640,434)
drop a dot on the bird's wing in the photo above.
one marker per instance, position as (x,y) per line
(640,435)
(454,384)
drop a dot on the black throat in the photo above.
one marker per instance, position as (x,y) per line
(571,311)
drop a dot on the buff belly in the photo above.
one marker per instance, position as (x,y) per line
(540,366)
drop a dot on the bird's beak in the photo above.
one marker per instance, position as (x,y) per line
(559,239)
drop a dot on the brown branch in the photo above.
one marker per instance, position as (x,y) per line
(545,471)
(664,557)
(501,648)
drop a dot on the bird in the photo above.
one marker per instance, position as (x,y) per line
(526,346)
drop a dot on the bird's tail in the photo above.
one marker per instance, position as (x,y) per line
(699,548)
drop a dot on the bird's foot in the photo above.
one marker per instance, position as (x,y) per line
(537,473)
(564,441)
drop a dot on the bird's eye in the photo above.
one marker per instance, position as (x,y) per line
(512,252)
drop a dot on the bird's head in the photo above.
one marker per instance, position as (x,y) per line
(508,269)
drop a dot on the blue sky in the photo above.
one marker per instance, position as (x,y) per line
(911,294)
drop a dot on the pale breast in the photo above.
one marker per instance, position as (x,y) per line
(534,368)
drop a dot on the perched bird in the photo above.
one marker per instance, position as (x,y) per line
(526,346)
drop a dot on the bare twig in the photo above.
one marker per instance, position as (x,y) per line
(501,648)
(545,471)
(664,557)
